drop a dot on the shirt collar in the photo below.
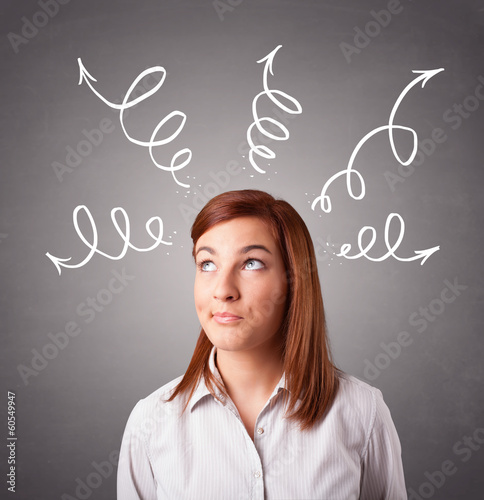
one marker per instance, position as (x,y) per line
(202,390)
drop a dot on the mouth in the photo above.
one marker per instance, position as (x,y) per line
(224,318)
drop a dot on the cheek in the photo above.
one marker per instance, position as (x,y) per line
(279,294)
(199,296)
(269,302)
(274,292)
(278,299)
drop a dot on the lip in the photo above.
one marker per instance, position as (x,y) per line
(225,317)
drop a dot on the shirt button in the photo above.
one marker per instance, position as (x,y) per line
(260,430)
(257,473)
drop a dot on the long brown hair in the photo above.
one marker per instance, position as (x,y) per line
(309,371)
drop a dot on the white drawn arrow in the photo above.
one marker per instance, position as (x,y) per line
(325,199)
(260,149)
(419,254)
(425,76)
(125,235)
(85,76)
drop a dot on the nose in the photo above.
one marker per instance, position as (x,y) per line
(226,288)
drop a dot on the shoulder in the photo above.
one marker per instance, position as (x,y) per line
(379,444)
(353,392)
(357,406)
(363,405)
(359,395)
(154,409)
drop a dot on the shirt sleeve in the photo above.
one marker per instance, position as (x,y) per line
(135,474)
(382,474)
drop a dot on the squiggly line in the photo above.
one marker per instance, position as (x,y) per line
(125,236)
(262,150)
(419,254)
(174,166)
(325,199)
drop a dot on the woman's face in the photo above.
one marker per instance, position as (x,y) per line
(240,285)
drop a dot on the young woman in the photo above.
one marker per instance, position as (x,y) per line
(261,412)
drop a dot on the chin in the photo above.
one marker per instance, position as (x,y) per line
(227,340)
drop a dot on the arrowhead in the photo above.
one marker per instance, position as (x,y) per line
(427,74)
(426,253)
(270,58)
(57,261)
(83,73)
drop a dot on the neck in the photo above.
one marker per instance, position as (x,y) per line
(251,373)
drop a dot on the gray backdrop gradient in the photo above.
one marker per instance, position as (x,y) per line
(131,324)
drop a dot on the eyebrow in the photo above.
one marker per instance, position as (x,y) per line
(243,250)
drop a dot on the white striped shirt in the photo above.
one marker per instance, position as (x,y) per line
(206,453)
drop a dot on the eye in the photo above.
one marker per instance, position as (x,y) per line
(253,264)
(206,266)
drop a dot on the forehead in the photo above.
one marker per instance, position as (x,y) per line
(238,232)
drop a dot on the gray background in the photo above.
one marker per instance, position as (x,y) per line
(72,413)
